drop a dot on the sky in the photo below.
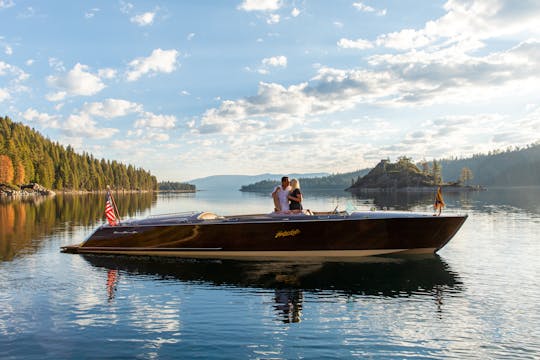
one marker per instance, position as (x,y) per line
(188,89)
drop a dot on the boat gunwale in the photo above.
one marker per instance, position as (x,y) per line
(269,219)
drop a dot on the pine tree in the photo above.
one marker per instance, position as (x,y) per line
(6,170)
(436,171)
(466,176)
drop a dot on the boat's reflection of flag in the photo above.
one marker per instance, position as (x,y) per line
(112,278)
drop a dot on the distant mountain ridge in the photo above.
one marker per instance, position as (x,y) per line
(328,182)
(237,181)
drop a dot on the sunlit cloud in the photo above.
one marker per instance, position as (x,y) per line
(149,120)
(273,19)
(112,108)
(43,119)
(4,94)
(160,61)
(76,82)
(260,5)
(82,125)
(144,19)
(354,44)
(368,9)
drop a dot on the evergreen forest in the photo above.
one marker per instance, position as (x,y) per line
(26,156)
(330,182)
(176,186)
(519,166)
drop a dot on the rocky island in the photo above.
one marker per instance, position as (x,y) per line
(403,175)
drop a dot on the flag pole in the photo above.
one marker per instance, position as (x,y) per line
(114,204)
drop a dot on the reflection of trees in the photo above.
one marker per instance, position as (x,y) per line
(398,200)
(521,198)
(24,220)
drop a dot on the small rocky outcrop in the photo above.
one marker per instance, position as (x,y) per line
(400,175)
(32,189)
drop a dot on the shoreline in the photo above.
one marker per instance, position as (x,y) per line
(420,189)
(8,192)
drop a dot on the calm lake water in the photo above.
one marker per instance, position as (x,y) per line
(478,298)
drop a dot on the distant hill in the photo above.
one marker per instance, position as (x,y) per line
(237,181)
(511,167)
(331,182)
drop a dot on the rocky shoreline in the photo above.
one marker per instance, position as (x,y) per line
(26,190)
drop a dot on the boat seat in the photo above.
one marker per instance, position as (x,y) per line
(207,216)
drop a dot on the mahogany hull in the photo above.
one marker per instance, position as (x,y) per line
(318,236)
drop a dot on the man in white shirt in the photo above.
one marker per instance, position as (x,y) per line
(281,195)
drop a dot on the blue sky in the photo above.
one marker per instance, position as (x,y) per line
(188,89)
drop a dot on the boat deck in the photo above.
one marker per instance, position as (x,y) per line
(212,218)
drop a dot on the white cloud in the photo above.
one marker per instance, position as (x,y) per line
(163,61)
(56,64)
(12,71)
(77,82)
(82,125)
(190,36)
(360,6)
(365,8)
(260,5)
(273,19)
(144,19)
(4,95)
(274,107)
(275,61)
(295,12)
(57,96)
(465,20)
(266,63)
(12,78)
(157,136)
(355,44)
(125,7)
(405,39)
(8,50)
(112,108)
(91,13)
(4,4)
(107,73)
(411,79)
(43,119)
(149,120)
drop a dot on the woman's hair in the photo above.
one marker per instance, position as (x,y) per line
(295,184)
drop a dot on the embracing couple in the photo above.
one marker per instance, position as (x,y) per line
(287,197)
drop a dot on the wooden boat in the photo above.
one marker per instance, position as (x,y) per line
(262,236)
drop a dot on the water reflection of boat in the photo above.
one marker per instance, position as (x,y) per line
(372,276)
(319,235)
(381,276)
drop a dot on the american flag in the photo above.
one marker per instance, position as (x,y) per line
(109,211)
